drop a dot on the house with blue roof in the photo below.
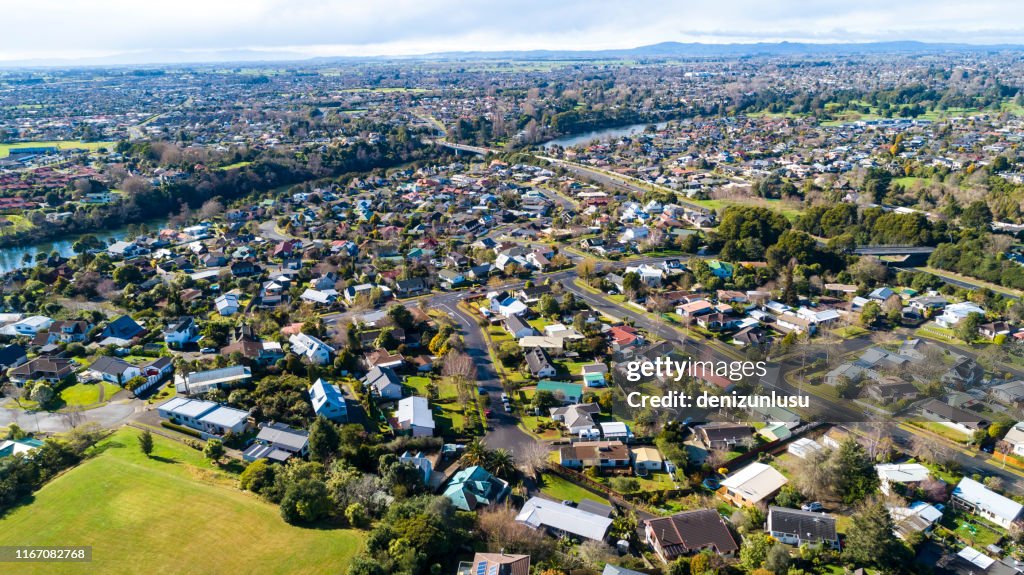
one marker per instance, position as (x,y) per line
(474,487)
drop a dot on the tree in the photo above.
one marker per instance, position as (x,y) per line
(754,550)
(42,394)
(323,440)
(870,541)
(214,450)
(257,476)
(870,313)
(778,559)
(146,442)
(357,515)
(304,501)
(548,305)
(976,215)
(586,268)
(967,328)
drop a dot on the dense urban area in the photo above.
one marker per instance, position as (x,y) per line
(379,316)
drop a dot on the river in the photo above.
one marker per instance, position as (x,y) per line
(603,134)
(11,258)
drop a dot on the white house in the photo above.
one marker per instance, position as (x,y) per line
(311,348)
(980,500)
(561,519)
(181,332)
(227,304)
(903,473)
(28,326)
(328,401)
(952,314)
(414,415)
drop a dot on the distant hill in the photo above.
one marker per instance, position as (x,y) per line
(663,50)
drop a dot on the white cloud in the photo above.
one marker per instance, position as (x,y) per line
(51,28)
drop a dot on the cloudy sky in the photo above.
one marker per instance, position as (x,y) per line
(156,29)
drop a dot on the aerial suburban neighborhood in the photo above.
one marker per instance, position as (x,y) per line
(667,310)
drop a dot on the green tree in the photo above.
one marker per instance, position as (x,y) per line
(778,559)
(324,440)
(754,550)
(214,450)
(548,305)
(870,541)
(967,328)
(304,501)
(146,442)
(256,476)
(42,393)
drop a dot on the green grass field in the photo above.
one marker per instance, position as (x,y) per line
(561,489)
(172,513)
(5,149)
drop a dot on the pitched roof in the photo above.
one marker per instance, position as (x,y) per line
(538,513)
(690,531)
(806,525)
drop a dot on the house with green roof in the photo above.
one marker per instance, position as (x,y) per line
(474,487)
(563,390)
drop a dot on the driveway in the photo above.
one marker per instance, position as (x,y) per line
(113,414)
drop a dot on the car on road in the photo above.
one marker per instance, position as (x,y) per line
(488,413)
(208,350)
(481,391)
(812,506)
(508,408)
(504,396)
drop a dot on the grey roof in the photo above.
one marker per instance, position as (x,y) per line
(807,525)
(225,416)
(225,373)
(279,434)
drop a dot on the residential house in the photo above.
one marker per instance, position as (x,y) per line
(1013,441)
(646,459)
(538,363)
(12,356)
(975,498)
(563,520)
(495,564)
(687,533)
(473,487)
(311,348)
(114,369)
(906,474)
(227,304)
(384,383)
(210,418)
(578,418)
(198,382)
(952,314)
(518,328)
(383,358)
(795,527)
(563,391)
(328,401)
(411,287)
(122,331)
(51,369)
(964,421)
(277,442)
(414,415)
(724,435)
(602,454)
(181,332)
(752,485)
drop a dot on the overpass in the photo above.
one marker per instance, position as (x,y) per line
(892,250)
(466,148)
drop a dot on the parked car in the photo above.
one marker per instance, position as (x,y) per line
(812,506)
(208,350)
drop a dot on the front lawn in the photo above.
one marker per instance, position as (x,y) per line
(172,513)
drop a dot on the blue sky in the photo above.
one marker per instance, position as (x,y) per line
(69,29)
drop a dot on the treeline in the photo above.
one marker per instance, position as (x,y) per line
(847,227)
(22,474)
(972,256)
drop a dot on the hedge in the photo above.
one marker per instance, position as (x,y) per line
(181,429)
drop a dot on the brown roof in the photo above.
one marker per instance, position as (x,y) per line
(596,450)
(507,564)
(691,531)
